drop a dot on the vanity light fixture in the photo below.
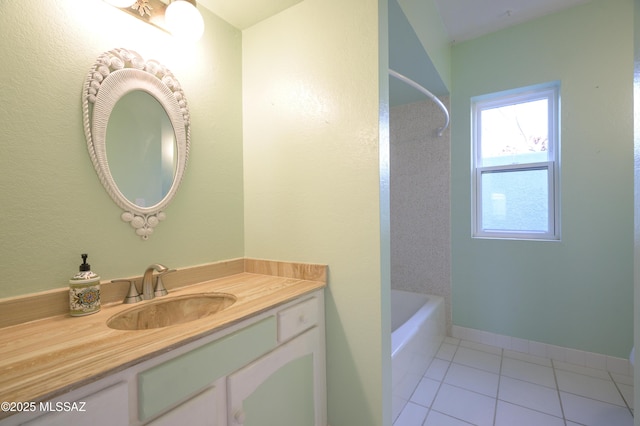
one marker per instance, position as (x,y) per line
(179,18)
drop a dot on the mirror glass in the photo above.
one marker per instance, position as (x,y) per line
(137,127)
(141,148)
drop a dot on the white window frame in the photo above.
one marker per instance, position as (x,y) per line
(551,92)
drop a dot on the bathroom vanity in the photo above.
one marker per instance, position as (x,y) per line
(259,361)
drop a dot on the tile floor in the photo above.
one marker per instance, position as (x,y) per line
(473,384)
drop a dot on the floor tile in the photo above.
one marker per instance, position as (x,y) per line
(465,405)
(437,369)
(527,371)
(472,379)
(594,413)
(438,419)
(590,387)
(446,351)
(509,415)
(412,415)
(406,386)
(478,359)
(530,395)
(627,394)
(460,386)
(425,392)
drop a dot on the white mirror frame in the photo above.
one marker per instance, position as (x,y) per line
(114,74)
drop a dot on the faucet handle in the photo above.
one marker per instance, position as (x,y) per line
(133,296)
(160,289)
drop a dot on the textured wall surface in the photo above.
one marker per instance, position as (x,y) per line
(312,139)
(577,292)
(53,206)
(420,197)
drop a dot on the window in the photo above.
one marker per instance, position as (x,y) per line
(516,164)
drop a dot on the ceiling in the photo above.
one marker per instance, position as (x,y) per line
(462,20)
(467,19)
(245,13)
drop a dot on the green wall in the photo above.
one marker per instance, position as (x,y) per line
(314,139)
(53,207)
(578,292)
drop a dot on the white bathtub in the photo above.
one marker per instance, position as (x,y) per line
(418,328)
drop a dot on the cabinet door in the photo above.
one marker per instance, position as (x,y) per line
(205,409)
(283,388)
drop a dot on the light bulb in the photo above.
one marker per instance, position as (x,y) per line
(121,3)
(184,21)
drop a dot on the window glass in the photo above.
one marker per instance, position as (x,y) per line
(515,201)
(515,134)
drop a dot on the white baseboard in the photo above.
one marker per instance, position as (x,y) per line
(558,353)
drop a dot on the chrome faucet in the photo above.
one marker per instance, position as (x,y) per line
(147,280)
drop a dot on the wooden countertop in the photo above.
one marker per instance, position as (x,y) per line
(44,358)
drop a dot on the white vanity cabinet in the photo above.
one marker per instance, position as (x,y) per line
(270,372)
(268,369)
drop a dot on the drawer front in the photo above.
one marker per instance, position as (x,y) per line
(166,384)
(296,319)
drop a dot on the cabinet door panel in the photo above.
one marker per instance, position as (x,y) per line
(284,398)
(279,389)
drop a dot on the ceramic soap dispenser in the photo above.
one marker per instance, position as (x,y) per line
(84,291)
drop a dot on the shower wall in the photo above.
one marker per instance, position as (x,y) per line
(420,201)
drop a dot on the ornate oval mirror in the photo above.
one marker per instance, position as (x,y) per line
(136,122)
